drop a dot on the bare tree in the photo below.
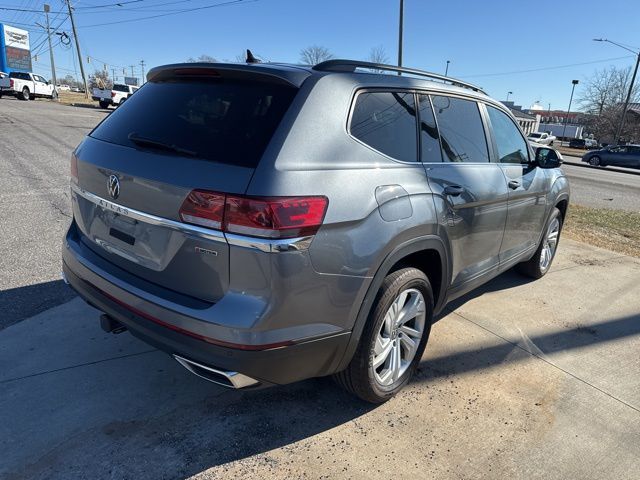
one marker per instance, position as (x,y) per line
(602,96)
(378,55)
(204,58)
(100,79)
(314,54)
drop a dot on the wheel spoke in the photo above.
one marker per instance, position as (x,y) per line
(396,362)
(412,332)
(411,310)
(381,357)
(409,345)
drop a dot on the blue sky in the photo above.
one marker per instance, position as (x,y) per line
(486,41)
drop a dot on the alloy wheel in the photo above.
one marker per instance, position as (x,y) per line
(399,337)
(550,244)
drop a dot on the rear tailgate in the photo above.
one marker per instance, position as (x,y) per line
(198,133)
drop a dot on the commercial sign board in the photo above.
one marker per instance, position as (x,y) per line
(15,51)
(131,81)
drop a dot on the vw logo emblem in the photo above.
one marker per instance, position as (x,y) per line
(113,186)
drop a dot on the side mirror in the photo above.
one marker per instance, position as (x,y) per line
(548,158)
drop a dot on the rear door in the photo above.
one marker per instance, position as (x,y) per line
(527,186)
(470,191)
(139,165)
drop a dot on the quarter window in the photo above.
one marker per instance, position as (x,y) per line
(512,147)
(386,121)
(461,130)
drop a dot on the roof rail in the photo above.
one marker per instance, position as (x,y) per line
(340,65)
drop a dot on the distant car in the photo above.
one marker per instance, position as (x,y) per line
(2,75)
(115,96)
(63,88)
(586,143)
(75,89)
(617,155)
(542,138)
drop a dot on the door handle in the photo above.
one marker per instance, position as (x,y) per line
(513,184)
(454,190)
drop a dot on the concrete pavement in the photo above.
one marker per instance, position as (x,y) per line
(520,380)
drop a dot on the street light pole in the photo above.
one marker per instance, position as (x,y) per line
(53,65)
(633,80)
(400,28)
(509,93)
(446,71)
(564,130)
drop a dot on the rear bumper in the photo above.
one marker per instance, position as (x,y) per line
(283,363)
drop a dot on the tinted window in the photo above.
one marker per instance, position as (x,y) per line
(386,121)
(512,147)
(121,88)
(430,142)
(20,75)
(461,131)
(225,121)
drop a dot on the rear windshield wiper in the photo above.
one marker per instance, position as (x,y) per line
(149,142)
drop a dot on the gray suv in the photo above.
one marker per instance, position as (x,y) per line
(268,223)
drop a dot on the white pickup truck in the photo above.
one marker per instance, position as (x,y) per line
(116,96)
(542,138)
(27,86)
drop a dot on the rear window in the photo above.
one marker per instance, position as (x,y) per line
(20,75)
(121,88)
(224,121)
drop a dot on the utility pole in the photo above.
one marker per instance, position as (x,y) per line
(75,36)
(400,29)
(113,73)
(574,82)
(626,102)
(446,71)
(142,65)
(53,65)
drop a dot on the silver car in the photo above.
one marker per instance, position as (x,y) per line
(268,223)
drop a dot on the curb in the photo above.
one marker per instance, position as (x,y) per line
(608,169)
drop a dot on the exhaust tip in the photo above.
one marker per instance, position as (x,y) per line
(224,378)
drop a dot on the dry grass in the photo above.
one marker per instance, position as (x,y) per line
(614,230)
(574,152)
(72,98)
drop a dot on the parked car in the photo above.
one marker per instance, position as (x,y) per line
(114,96)
(585,143)
(2,75)
(267,223)
(542,138)
(27,86)
(618,155)
(64,88)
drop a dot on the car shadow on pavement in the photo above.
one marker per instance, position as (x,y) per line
(19,303)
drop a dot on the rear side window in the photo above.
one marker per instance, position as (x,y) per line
(386,121)
(220,120)
(512,147)
(461,130)
(20,75)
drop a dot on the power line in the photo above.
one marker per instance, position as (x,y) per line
(541,69)
(223,4)
(108,5)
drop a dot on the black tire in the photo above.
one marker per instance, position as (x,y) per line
(359,378)
(534,267)
(594,161)
(122,100)
(104,104)
(25,95)
(551,144)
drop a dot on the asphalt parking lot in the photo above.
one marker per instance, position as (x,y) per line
(520,379)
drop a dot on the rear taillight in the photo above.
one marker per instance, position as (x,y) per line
(11,83)
(273,217)
(113,94)
(203,208)
(74,166)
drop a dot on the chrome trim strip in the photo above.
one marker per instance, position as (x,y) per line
(148,218)
(270,245)
(262,244)
(237,380)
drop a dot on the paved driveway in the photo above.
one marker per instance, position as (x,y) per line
(519,380)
